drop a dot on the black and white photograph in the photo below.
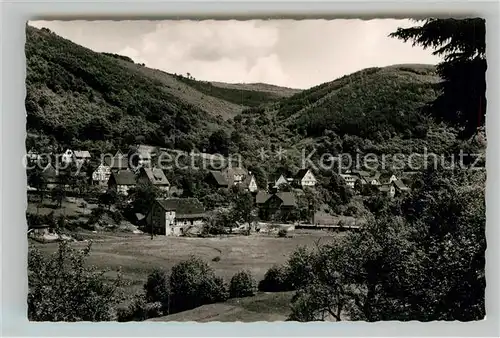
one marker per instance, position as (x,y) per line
(256,170)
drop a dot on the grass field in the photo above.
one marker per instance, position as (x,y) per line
(136,255)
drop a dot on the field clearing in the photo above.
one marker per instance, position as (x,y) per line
(267,307)
(136,255)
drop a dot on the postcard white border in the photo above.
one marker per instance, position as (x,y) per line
(13,185)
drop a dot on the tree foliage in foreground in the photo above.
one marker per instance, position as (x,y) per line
(422,258)
(462,44)
(62,288)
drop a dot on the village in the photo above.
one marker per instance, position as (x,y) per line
(172,212)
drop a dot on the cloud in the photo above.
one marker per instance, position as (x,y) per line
(290,53)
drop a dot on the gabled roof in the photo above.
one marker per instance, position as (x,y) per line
(220,178)
(362,173)
(288,198)
(247,180)
(279,177)
(81,153)
(156,176)
(400,185)
(235,171)
(49,171)
(124,177)
(182,206)
(261,197)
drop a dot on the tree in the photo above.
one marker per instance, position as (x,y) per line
(462,44)
(157,288)
(109,198)
(242,285)
(37,180)
(143,197)
(243,207)
(63,288)
(219,142)
(340,192)
(194,283)
(58,194)
(421,258)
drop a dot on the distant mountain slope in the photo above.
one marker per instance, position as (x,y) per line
(246,95)
(74,93)
(369,101)
(189,91)
(106,100)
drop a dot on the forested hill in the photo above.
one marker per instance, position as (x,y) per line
(76,94)
(387,100)
(80,98)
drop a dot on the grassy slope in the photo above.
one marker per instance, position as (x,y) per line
(138,255)
(262,307)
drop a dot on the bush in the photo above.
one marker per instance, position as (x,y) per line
(275,280)
(62,288)
(242,285)
(216,259)
(140,310)
(117,217)
(157,287)
(193,283)
(282,233)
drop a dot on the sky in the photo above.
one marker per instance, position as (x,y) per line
(290,53)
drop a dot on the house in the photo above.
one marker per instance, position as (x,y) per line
(231,176)
(305,178)
(388,189)
(67,157)
(146,153)
(261,197)
(175,216)
(281,180)
(100,176)
(235,175)
(373,179)
(154,176)
(387,178)
(122,181)
(400,187)
(350,179)
(32,155)
(217,179)
(51,176)
(275,203)
(81,156)
(249,183)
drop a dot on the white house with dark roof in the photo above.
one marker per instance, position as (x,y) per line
(100,176)
(305,178)
(175,216)
(122,181)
